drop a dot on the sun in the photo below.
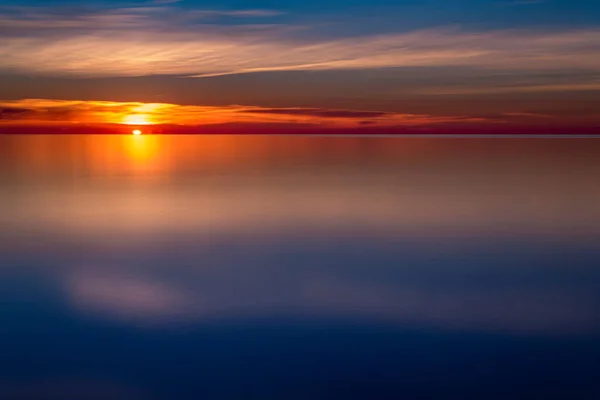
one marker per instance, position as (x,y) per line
(136,132)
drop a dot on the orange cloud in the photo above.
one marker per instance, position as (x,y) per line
(104,112)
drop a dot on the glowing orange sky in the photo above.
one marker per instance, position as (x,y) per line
(135,113)
(69,116)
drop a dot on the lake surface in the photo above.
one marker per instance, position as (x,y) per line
(264,267)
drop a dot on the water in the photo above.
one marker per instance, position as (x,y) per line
(249,267)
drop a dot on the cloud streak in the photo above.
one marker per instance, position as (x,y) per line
(163,39)
(19,20)
(105,112)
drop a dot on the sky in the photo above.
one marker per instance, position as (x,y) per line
(302,65)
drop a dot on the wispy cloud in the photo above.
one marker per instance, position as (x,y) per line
(591,85)
(153,16)
(520,3)
(322,113)
(166,1)
(162,39)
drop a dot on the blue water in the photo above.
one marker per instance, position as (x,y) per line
(299,268)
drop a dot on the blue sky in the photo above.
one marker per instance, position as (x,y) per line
(405,13)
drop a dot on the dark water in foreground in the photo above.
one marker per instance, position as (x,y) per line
(299,268)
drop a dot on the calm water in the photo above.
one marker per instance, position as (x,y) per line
(299,268)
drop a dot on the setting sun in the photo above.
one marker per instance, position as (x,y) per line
(136,132)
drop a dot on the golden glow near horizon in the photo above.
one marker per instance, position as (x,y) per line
(135,114)
(136,132)
(137,119)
